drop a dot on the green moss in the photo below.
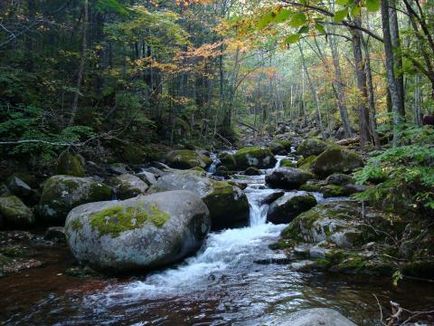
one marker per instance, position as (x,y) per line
(228,161)
(71,164)
(306,163)
(311,187)
(76,225)
(287,163)
(333,191)
(99,191)
(117,219)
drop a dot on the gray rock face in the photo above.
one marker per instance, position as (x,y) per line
(286,208)
(315,317)
(62,193)
(15,213)
(141,233)
(227,204)
(288,178)
(128,186)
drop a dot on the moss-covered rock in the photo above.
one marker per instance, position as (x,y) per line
(339,179)
(288,178)
(141,233)
(311,147)
(133,153)
(287,163)
(254,156)
(280,147)
(336,160)
(312,186)
(306,163)
(228,161)
(286,208)
(334,191)
(227,204)
(15,213)
(62,193)
(128,186)
(252,171)
(71,164)
(187,159)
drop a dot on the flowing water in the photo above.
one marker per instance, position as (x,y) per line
(223,284)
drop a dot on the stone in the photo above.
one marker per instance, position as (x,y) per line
(71,164)
(258,157)
(315,317)
(287,207)
(186,159)
(312,146)
(148,177)
(252,171)
(62,193)
(142,233)
(127,186)
(288,178)
(15,213)
(18,187)
(55,234)
(339,179)
(272,197)
(336,160)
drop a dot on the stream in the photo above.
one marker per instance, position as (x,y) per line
(228,282)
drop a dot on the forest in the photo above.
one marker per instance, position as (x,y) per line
(217,162)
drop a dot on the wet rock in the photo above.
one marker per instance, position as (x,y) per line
(62,193)
(128,186)
(252,171)
(280,147)
(71,164)
(287,163)
(272,197)
(18,187)
(336,160)
(187,159)
(339,179)
(222,171)
(312,186)
(141,233)
(257,157)
(228,161)
(147,177)
(227,204)
(288,178)
(315,317)
(15,213)
(306,163)
(55,234)
(312,146)
(119,168)
(286,208)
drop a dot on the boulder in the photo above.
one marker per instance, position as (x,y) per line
(288,178)
(312,146)
(148,177)
(142,233)
(315,317)
(119,168)
(187,159)
(15,213)
(339,179)
(272,197)
(287,207)
(55,234)
(18,187)
(258,157)
(62,193)
(280,147)
(252,171)
(287,163)
(336,160)
(127,186)
(71,164)
(227,204)
(306,163)
(228,161)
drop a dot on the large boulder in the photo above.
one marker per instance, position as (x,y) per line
(312,146)
(142,233)
(286,208)
(15,213)
(61,193)
(258,157)
(71,164)
(315,317)
(227,204)
(187,159)
(280,147)
(228,161)
(128,186)
(288,178)
(336,160)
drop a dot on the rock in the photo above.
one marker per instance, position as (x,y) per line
(187,159)
(155,171)
(222,171)
(148,177)
(286,208)
(334,191)
(312,146)
(339,179)
(18,187)
(71,164)
(227,204)
(4,191)
(55,234)
(142,233)
(312,186)
(280,147)
(15,213)
(119,168)
(62,193)
(287,178)
(315,317)
(272,197)
(132,153)
(252,171)
(258,157)
(287,163)
(306,163)
(336,160)
(128,186)
(228,161)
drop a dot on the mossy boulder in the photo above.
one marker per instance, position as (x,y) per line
(311,147)
(127,186)
(142,233)
(286,208)
(288,178)
(252,171)
(227,204)
(281,147)
(306,163)
(259,157)
(61,193)
(339,179)
(15,213)
(228,161)
(132,153)
(186,159)
(287,163)
(71,164)
(336,160)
